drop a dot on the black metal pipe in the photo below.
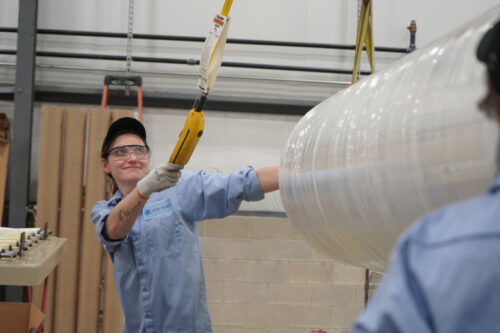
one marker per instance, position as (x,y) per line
(313,45)
(188,62)
(83,33)
(292,68)
(169,100)
(8,52)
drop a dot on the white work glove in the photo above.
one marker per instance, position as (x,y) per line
(160,178)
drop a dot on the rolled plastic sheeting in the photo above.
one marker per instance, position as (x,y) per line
(363,165)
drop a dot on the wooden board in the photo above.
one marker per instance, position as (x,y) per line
(112,312)
(117,114)
(49,167)
(91,249)
(70,218)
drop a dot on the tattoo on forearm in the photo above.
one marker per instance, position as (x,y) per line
(124,213)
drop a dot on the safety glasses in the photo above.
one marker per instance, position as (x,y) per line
(122,153)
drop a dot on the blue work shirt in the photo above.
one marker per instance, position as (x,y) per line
(157,267)
(444,274)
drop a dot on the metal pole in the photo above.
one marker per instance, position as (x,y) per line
(23,110)
(20,157)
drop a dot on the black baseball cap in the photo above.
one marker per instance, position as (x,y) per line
(488,52)
(122,126)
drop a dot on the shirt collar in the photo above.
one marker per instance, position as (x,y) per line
(117,197)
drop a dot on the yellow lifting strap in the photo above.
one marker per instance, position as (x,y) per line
(227,7)
(364,37)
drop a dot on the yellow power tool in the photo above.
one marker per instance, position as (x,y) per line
(209,66)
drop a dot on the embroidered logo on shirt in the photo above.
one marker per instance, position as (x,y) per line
(156,209)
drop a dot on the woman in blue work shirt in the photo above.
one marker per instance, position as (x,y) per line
(149,229)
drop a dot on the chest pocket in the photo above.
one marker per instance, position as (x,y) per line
(164,230)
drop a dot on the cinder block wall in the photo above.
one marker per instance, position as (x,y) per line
(262,277)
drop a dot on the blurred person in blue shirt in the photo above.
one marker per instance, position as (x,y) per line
(444,274)
(149,229)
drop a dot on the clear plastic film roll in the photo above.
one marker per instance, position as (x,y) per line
(363,165)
